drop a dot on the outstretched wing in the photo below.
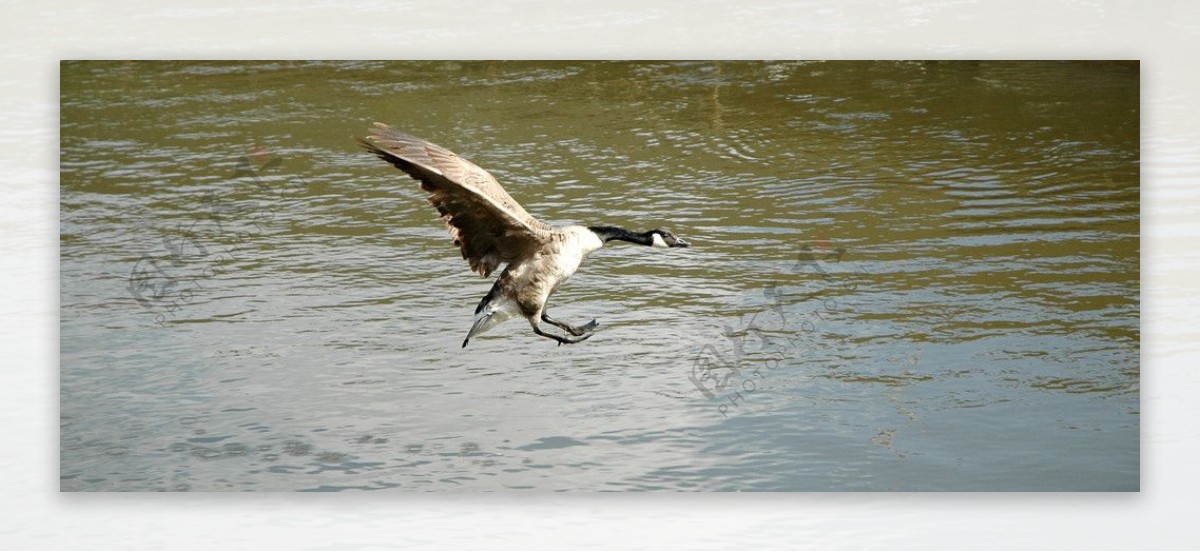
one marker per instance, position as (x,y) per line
(486,223)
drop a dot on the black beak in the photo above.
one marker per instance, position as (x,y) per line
(680,243)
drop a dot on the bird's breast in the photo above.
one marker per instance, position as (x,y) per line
(563,260)
(555,261)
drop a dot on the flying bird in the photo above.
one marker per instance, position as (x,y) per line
(491,229)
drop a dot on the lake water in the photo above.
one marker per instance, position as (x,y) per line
(903,276)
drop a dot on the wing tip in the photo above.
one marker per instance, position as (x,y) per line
(377,143)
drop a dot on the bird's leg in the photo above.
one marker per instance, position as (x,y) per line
(561,339)
(573,330)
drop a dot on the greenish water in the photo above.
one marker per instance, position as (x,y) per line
(904,276)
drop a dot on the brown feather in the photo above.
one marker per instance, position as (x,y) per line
(485,222)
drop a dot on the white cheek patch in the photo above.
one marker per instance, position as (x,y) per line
(657,241)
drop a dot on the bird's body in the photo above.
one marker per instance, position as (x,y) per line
(524,287)
(491,229)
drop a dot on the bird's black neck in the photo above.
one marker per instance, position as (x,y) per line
(609,233)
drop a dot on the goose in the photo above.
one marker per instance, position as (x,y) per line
(491,228)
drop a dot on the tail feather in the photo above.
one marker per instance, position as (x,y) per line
(483,322)
(492,310)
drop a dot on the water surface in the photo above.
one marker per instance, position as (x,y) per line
(904,276)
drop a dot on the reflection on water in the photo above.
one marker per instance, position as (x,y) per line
(911,276)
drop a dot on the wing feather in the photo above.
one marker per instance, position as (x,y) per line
(486,223)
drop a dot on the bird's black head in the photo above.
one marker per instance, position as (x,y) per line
(664,238)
